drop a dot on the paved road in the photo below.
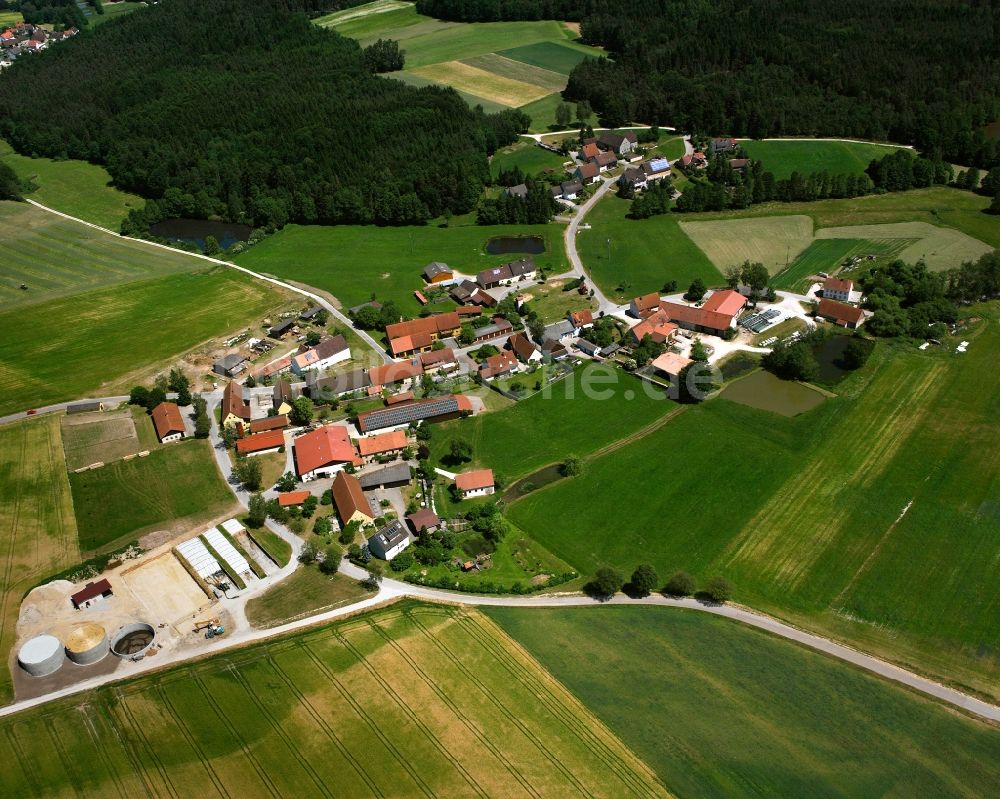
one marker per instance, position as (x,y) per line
(109,402)
(569,237)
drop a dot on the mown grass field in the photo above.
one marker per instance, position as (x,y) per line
(308,591)
(828,255)
(55,257)
(37,526)
(352,262)
(782,158)
(593,408)
(413,79)
(872,518)
(478,82)
(172,487)
(531,159)
(772,241)
(727,711)
(74,187)
(95,343)
(939,247)
(407,701)
(543,113)
(645,253)
(552,304)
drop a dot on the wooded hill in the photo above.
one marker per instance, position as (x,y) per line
(247,111)
(925,72)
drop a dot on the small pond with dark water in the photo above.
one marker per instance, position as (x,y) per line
(503,245)
(195,231)
(830,356)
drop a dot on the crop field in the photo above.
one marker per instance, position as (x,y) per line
(773,241)
(172,487)
(939,247)
(37,527)
(8,17)
(306,592)
(55,257)
(495,64)
(73,187)
(98,437)
(867,518)
(413,79)
(566,422)
(828,255)
(104,337)
(529,157)
(782,158)
(408,701)
(354,261)
(751,715)
(644,253)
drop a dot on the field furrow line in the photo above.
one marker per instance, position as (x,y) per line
(545,692)
(512,717)
(469,725)
(414,718)
(128,749)
(326,728)
(276,726)
(8,564)
(137,729)
(264,777)
(346,695)
(99,747)
(22,761)
(186,734)
(60,751)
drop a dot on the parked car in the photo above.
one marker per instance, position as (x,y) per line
(31,412)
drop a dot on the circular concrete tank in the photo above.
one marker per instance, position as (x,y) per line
(40,656)
(133,641)
(87,644)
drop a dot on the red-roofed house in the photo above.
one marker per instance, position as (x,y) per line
(91,593)
(589,151)
(270,423)
(671,364)
(371,447)
(168,422)
(391,373)
(641,306)
(840,313)
(349,499)
(270,441)
(504,362)
(478,483)
(288,498)
(581,320)
(588,173)
(727,302)
(324,452)
(235,410)
(657,325)
(835,288)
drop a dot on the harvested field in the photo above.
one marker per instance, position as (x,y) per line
(773,241)
(165,589)
(516,70)
(360,12)
(481,83)
(98,437)
(408,701)
(939,247)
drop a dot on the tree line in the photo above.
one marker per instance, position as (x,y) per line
(914,71)
(60,13)
(267,120)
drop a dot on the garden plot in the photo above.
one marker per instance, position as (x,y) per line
(98,438)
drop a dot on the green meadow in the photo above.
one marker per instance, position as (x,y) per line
(783,157)
(718,709)
(828,255)
(531,159)
(408,701)
(353,262)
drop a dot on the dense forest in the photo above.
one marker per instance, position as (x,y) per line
(247,111)
(925,72)
(61,13)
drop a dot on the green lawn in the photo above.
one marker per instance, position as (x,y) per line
(594,407)
(836,157)
(543,113)
(409,701)
(74,187)
(352,262)
(113,11)
(828,255)
(552,55)
(531,158)
(870,518)
(552,304)
(95,343)
(8,18)
(718,709)
(176,483)
(645,253)
(306,592)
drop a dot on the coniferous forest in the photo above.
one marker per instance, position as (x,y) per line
(923,72)
(247,111)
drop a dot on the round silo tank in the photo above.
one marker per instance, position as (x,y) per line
(87,644)
(40,656)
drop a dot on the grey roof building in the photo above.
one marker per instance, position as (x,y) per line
(393,476)
(520,191)
(338,385)
(436,269)
(389,541)
(230,365)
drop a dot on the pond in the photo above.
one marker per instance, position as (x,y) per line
(195,231)
(533,482)
(764,391)
(830,356)
(502,245)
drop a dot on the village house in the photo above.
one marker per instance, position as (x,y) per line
(230,365)
(620,143)
(641,306)
(503,363)
(468,293)
(350,501)
(261,443)
(437,408)
(670,364)
(835,288)
(498,327)
(389,541)
(423,519)
(657,326)
(235,410)
(437,272)
(524,348)
(554,350)
(567,190)
(715,317)
(695,160)
(417,335)
(168,422)
(282,397)
(478,483)
(327,388)
(587,173)
(740,165)
(392,373)
(507,274)
(634,177)
(520,191)
(840,313)
(443,360)
(279,422)
(655,168)
(722,146)
(324,452)
(371,448)
(402,396)
(589,151)
(605,161)
(395,475)
(289,499)
(581,320)
(330,351)
(273,368)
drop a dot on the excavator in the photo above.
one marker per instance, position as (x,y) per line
(206,624)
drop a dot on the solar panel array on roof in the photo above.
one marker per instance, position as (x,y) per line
(757,322)
(659,164)
(201,560)
(227,551)
(404,414)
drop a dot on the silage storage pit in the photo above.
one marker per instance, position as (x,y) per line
(87,644)
(133,640)
(41,656)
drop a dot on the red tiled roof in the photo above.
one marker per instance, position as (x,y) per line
(671,363)
(837,284)
(728,302)
(91,590)
(402,396)
(395,372)
(270,423)
(167,419)
(261,442)
(646,302)
(590,150)
(657,325)
(422,518)
(327,445)
(437,357)
(588,170)
(349,497)
(498,364)
(288,498)
(581,318)
(232,402)
(686,314)
(840,312)
(438,323)
(405,344)
(382,442)
(469,481)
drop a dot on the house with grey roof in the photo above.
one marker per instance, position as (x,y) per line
(395,475)
(389,541)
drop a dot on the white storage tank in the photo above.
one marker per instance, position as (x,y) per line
(40,656)
(87,644)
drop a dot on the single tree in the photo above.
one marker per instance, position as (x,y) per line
(313,337)
(376,571)
(332,555)
(571,467)
(995,205)
(309,552)
(256,511)
(536,327)
(583,110)
(287,482)
(606,583)
(139,395)
(460,451)
(696,290)
(212,246)
(467,335)
(564,113)
(856,353)
(302,411)
(680,584)
(698,351)
(643,580)
(719,589)
(733,276)
(248,472)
